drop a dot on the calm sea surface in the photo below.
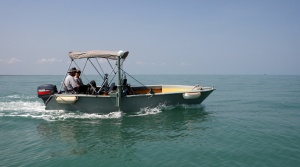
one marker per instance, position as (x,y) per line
(247,121)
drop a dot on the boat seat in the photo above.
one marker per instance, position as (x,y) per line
(111,88)
(91,88)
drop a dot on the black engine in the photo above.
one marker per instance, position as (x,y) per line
(45,91)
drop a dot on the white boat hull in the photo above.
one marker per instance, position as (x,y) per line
(128,103)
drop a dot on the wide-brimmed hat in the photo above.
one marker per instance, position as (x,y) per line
(73,69)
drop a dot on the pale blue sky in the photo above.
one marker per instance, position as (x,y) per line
(163,37)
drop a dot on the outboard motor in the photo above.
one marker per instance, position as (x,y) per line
(45,91)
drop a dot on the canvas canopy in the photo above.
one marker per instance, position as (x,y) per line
(97,54)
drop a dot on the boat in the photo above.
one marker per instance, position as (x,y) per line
(115,93)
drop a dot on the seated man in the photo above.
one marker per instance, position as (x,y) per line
(69,83)
(81,87)
(77,78)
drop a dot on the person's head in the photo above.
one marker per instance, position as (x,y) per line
(78,72)
(72,71)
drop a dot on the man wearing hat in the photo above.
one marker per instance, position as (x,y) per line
(69,83)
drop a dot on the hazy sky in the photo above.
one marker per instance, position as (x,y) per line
(163,37)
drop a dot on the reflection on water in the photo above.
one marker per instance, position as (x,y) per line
(120,137)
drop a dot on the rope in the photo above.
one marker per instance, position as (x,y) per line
(96,69)
(84,65)
(111,66)
(100,65)
(134,78)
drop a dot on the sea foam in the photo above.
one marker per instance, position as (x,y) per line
(36,110)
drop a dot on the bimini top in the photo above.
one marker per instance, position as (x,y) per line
(98,54)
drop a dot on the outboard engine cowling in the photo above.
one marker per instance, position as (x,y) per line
(45,91)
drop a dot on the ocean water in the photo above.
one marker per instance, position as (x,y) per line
(249,120)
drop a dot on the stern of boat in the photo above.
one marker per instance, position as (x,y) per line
(46,91)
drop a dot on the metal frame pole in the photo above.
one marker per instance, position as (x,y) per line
(119,87)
